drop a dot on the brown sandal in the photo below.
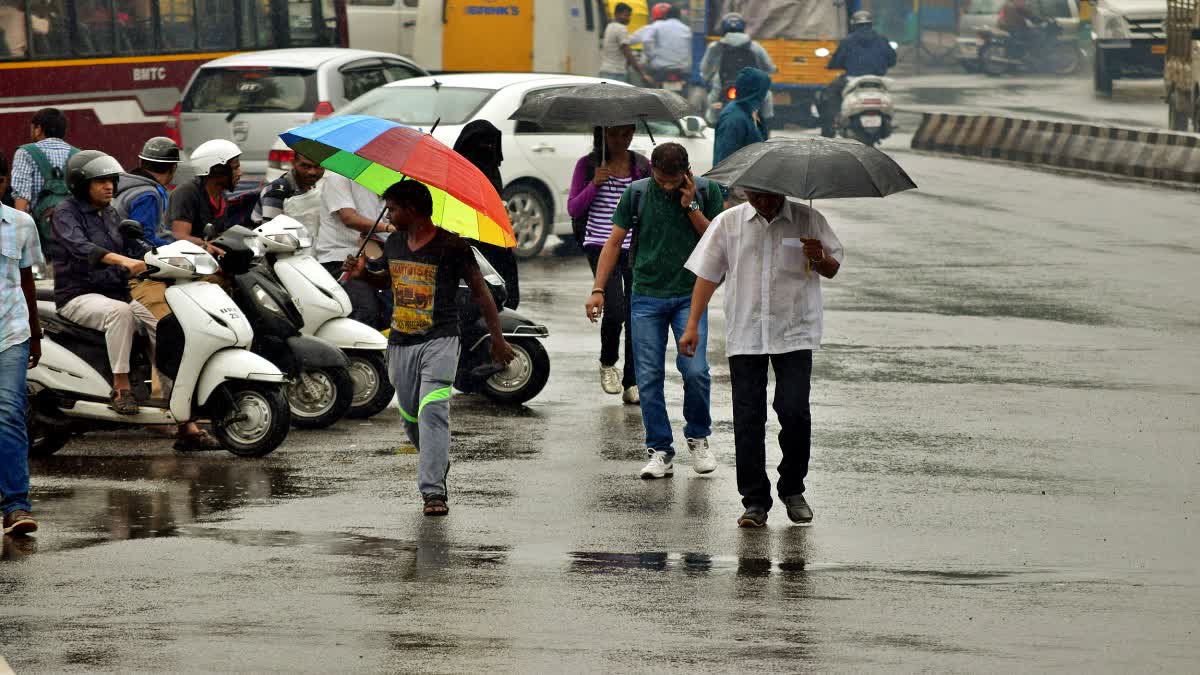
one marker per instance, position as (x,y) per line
(435,505)
(197,442)
(123,402)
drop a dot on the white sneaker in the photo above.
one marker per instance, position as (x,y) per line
(703,460)
(658,466)
(631,396)
(610,379)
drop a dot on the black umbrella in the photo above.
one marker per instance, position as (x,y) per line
(812,168)
(603,105)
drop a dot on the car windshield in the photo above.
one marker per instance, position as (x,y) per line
(421,105)
(987,7)
(219,90)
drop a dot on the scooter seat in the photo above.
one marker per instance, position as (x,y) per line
(60,328)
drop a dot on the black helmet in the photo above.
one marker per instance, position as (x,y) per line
(733,23)
(87,165)
(160,149)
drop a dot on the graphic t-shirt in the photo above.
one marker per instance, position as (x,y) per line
(425,286)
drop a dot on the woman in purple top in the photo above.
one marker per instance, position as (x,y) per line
(596,189)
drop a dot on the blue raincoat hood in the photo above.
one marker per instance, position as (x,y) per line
(752,87)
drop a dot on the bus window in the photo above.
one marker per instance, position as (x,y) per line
(256,25)
(178,25)
(56,39)
(216,25)
(135,34)
(94,27)
(15,44)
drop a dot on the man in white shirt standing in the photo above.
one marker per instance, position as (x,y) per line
(613,48)
(772,253)
(348,210)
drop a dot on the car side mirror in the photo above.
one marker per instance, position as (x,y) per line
(694,126)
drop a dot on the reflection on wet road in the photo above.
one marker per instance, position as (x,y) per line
(1004,474)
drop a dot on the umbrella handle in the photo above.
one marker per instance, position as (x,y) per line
(346,275)
(646,126)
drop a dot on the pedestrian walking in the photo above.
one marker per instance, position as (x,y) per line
(479,142)
(425,264)
(20,350)
(772,254)
(667,214)
(39,180)
(740,124)
(600,179)
(613,50)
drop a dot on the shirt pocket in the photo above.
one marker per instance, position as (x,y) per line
(791,256)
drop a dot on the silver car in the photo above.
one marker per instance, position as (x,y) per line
(983,14)
(251,98)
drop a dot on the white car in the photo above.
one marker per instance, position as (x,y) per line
(538,161)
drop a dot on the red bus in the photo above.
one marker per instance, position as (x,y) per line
(118,68)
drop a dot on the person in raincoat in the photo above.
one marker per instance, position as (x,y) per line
(740,124)
(725,58)
(479,142)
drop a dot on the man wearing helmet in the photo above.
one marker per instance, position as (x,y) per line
(725,58)
(862,52)
(195,204)
(667,44)
(142,193)
(92,270)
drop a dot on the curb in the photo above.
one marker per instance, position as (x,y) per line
(1115,151)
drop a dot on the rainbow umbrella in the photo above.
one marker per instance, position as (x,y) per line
(376,153)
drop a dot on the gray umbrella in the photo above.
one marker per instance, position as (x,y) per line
(812,168)
(603,105)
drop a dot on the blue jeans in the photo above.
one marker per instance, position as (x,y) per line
(14,441)
(651,319)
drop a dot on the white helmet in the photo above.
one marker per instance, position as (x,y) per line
(214,153)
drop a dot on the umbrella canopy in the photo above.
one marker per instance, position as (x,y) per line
(603,105)
(376,153)
(812,168)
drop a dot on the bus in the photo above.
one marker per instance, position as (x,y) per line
(383,25)
(117,68)
(800,35)
(516,36)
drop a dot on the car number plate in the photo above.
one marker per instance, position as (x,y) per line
(673,86)
(1158,49)
(871,121)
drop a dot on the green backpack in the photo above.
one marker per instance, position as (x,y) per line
(54,191)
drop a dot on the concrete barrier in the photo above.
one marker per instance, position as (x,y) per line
(1136,153)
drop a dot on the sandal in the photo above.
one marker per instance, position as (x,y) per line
(197,442)
(123,402)
(435,505)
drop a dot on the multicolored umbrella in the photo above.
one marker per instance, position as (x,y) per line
(376,153)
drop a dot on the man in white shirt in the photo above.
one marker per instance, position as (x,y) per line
(613,48)
(348,210)
(772,253)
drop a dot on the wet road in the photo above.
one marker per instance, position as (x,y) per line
(1005,460)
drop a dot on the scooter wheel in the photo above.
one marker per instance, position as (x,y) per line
(524,378)
(45,437)
(251,419)
(320,397)
(373,390)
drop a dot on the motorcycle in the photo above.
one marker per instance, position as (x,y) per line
(522,379)
(202,346)
(319,388)
(867,110)
(325,306)
(1053,52)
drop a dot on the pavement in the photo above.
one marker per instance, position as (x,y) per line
(1004,472)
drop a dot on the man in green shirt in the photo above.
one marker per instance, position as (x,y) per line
(667,213)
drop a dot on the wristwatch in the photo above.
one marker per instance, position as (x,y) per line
(694,206)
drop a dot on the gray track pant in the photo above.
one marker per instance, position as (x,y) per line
(423,375)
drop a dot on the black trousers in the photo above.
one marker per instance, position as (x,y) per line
(748,375)
(616,314)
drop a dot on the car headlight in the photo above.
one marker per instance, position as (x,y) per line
(822,52)
(289,240)
(268,303)
(179,261)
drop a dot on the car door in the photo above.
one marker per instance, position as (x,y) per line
(699,146)
(553,151)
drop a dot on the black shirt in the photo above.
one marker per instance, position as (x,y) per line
(190,203)
(425,286)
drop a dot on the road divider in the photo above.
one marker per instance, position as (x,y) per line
(1118,151)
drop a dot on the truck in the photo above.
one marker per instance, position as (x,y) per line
(1182,70)
(1130,41)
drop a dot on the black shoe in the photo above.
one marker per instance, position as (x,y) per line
(797,509)
(755,516)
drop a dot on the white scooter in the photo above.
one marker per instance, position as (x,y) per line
(325,307)
(202,346)
(867,109)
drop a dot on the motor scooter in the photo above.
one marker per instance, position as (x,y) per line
(202,346)
(319,389)
(522,379)
(325,308)
(867,110)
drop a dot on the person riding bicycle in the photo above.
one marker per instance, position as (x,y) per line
(862,52)
(667,45)
(725,58)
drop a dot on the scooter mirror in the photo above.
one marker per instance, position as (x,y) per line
(210,231)
(131,229)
